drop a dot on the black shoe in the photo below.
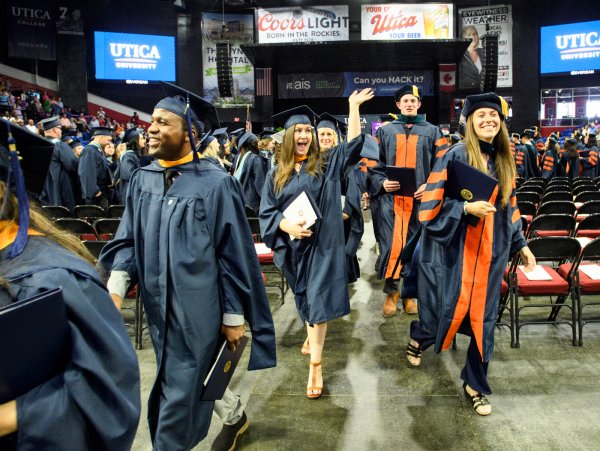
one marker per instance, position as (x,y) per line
(228,436)
(377,263)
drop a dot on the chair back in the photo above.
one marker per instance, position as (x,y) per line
(88,212)
(584,187)
(558,249)
(592,222)
(552,222)
(115,211)
(589,207)
(56,211)
(526,208)
(528,196)
(77,226)
(557,195)
(107,226)
(557,207)
(95,247)
(587,196)
(255,229)
(591,251)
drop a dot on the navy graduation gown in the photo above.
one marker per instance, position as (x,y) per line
(95,403)
(418,147)
(252,180)
(94,173)
(460,265)
(314,267)
(590,163)
(192,252)
(130,161)
(58,189)
(354,226)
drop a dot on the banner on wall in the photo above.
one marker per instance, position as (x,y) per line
(342,84)
(31,26)
(473,23)
(239,30)
(306,24)
(69,21)
(407,21)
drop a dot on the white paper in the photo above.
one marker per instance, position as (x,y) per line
(583,240)
(538,273)
(592,271)
(343,202)
(262,249)
(300,210)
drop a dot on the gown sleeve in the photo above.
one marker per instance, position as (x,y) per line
(95,403)
(377,173)
(68,159)
(517,241)
(87,175)
(119,253)
(270,216)
(441,216)
(259,174)
(440,146)
(241,286)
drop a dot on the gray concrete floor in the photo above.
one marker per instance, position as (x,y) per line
(546,395)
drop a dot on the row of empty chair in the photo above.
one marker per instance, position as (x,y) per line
(83,211)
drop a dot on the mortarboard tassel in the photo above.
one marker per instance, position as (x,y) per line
(20,242)
(188,120)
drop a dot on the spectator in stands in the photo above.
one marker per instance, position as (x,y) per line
(60,103)
(135,119)
(100,113)
(31,126)
(58,189)
(65,123)
(94,122)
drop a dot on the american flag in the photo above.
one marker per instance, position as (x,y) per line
(263,81)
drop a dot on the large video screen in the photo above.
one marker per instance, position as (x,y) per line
(125,56)
(570,49)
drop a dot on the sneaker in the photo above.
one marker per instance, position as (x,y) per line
(228,436)
(390,305)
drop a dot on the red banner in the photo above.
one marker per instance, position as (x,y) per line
(447,77)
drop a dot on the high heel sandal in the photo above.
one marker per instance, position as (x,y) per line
(305,347)
(479,402)
(314,391)
(414,352)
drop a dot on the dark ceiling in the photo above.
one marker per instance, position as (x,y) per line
(356,55)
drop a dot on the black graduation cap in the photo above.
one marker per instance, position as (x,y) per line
(130,134)
(75,143)
(485,100)
(455,137)
(329,121)
(238,132)
(50,123)
(413,90)
(68,137)
(294,116)
(102,131)
(34,152)
(529,133)
(246,138)
(267,132)
(202,112)
(221,135)
(572,141)
(552,140)
(515,135)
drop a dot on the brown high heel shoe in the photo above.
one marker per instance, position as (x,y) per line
(314,391)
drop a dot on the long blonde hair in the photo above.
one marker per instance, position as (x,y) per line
(505,165)
(285,159)
(40,223)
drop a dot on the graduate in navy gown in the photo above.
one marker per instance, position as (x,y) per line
(185,240)
(314,261)
(63,167)
(550,159)
(95,402)
(249,170)
(569,161)
(590,160)
(94,172)
(130,160)
(460,265)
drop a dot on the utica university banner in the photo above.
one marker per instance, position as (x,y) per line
(31,26)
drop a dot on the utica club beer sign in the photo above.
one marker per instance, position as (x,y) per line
(407,21)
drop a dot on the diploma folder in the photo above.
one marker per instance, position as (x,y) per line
(406,177)
(221,372)
(468,183)
(302,207)
(35,343)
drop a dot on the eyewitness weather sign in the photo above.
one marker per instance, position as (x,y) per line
(124,56)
